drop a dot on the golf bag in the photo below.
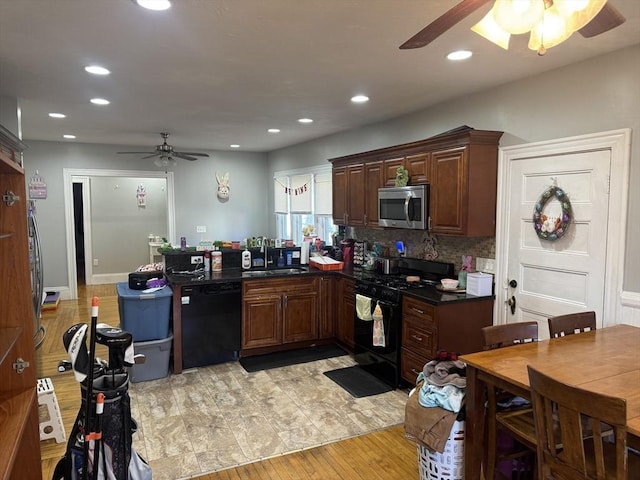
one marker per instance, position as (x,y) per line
(100,445)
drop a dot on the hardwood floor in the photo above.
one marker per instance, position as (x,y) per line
(382,455)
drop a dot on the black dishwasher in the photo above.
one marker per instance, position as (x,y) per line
(211,323)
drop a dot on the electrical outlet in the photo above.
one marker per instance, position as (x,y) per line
(95,262)
(486,265)
(201,229)
(195,260)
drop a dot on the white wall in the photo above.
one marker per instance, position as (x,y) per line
(195,192)
(596,95)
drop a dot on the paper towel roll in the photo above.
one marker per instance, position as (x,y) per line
(304,253)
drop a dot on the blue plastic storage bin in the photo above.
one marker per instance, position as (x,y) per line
(144,315)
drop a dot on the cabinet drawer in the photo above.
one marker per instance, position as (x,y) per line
(411,365)
(420,310)
(418,337)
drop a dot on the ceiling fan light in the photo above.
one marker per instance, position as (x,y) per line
(552,31)
(489,29)
(518,16)
(164,162)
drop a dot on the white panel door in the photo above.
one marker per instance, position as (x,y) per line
(568,274)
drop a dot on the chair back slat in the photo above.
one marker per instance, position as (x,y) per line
(571,323)
(559,410)
(498,336)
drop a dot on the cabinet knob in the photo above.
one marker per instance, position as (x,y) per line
(417,310)
(417,337)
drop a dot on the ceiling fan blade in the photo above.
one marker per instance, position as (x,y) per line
(443,23)
(184,156)
(193,154)
(607,19)
(155,154)
(138,153)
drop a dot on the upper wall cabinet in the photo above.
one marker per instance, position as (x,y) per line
(461,167)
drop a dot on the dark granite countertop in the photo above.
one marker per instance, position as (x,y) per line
(426,293)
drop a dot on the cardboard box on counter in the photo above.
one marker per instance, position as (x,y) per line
(325,263)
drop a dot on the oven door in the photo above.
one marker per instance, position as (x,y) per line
(363,333)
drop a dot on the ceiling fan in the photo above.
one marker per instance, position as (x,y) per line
(167,154)
(606,19)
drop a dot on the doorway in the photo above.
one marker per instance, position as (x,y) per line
(82,178)
(583,268)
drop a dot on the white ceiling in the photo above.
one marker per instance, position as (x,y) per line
(217,72)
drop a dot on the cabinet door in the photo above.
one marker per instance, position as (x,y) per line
(448,196)
(346,312)
(391,171)
(261,321)
(355,196)
(339,189)
(327,320)
(300,316)
(374,179)
(418,166)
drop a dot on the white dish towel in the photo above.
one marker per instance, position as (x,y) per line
(363,307)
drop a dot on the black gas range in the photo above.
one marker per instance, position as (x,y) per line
(390,287)
(382,359)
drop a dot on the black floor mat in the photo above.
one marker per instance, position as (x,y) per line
(358,382)
(291,357)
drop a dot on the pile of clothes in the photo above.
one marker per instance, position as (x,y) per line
(436,402)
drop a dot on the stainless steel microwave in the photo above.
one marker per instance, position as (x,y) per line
(404,207)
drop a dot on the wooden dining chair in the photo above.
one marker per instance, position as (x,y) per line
(571,323)
(516,422)
(558,412)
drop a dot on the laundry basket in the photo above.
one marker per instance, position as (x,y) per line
(448,465)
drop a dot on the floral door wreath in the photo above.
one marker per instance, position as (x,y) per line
(551,228)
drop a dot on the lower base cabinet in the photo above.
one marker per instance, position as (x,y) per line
(453,327)
(346,297)
(276,312)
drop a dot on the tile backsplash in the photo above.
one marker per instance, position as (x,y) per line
(419,244)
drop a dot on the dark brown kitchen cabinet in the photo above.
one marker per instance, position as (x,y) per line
(391,171)
(461,167)
(19,424)
(348,184)
(278,312)
(346,311)
(419,167)
(374,179)
(327,300)
(451,326)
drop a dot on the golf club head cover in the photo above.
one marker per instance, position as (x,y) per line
(75,342)
(119,343)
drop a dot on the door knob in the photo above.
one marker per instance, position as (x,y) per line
(512,304)
(513,283)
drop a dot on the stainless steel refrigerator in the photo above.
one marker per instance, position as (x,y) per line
(37,277)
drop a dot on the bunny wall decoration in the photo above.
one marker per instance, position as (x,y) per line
(223,186)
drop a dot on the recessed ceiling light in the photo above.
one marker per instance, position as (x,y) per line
(97,70)
(154,4)
(57,115)
(100,101)
(459,55)
(70,137)
(305,120)
(274,130)
(234,145)
(360,99)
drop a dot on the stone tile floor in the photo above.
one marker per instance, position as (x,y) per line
(216,417)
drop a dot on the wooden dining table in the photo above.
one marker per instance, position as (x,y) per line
(605,361)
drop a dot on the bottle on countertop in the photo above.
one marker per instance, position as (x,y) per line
(246,259)
(216,261)
(280,261)
(183,243)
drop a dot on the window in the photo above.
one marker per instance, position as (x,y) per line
(302,201)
